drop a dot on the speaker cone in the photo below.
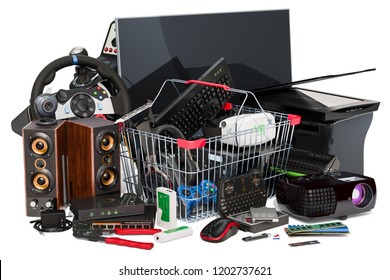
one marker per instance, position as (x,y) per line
(42,182)
(107,160)
(40,164)
(40,144)
(106,177)
(106,141)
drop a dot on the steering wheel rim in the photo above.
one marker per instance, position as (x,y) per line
(120,101)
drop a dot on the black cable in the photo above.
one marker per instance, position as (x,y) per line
(52,221)
(38,226)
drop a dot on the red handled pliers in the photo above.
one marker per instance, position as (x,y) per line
(96,235)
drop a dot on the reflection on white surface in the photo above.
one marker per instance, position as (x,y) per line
(328,100)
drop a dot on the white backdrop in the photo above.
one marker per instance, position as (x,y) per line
(327,37)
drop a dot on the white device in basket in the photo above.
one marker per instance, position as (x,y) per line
(248,129)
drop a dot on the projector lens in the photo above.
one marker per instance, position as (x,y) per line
(361,195)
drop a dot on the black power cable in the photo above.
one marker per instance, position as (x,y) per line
(52,221)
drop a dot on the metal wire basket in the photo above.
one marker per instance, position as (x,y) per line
(193,167)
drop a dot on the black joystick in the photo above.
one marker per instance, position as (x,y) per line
(84,74)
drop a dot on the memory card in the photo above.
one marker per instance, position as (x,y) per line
(297,244)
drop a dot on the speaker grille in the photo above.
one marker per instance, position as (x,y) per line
(312,202)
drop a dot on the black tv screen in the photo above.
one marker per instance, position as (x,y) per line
(256,46)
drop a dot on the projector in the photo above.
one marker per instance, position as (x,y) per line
(332,195)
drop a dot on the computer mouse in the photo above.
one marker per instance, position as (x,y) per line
(219,230)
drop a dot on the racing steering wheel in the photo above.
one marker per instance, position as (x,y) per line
(80,102)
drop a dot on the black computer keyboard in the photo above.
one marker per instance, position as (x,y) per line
(238,194)
(199,102)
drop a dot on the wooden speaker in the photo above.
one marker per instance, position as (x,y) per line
(45,165)
(93,157)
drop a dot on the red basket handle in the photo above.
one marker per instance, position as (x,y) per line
(225,87)
(191,144)
(294,119)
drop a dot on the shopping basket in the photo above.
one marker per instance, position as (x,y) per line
(247,138)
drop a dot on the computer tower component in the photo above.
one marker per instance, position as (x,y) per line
(44,162)
(334,195)
(93,157)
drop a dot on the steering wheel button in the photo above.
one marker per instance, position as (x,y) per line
(89,100)
(100,97)
(104,92)
(82,106)
(62,96)
(100,106)
(66,110)
(95,93)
